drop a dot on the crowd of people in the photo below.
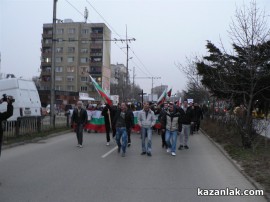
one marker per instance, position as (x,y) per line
(174,120)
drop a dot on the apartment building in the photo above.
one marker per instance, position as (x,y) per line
(81,48)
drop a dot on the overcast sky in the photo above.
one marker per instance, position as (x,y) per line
(166,31)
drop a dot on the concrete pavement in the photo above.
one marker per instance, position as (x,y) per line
(56,170)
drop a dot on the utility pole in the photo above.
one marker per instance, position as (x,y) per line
(133,85)
(127,40)
(127,58)
(52,117)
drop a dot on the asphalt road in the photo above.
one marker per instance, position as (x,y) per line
(55,170)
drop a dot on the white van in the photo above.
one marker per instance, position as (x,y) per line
(27,102)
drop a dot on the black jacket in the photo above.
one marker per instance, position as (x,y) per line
(186,117)
(106,115)
(82,119)
(129,118)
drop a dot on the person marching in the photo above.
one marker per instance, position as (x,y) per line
(129,127)
(186,114)
(162,113)
(121,121)
(171,125)
(79,117)
(198,117)
(146,121)
(107,112)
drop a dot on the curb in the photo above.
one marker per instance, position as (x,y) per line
(34,140)
(237,166)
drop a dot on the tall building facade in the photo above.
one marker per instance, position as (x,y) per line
(81,48)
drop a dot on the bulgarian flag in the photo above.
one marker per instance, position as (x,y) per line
(162,98)
(101,92)
(169,93)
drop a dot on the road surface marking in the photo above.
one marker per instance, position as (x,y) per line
(109,152)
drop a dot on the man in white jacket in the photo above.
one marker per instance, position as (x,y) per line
(146,121)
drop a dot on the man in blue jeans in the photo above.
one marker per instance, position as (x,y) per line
(122,120)
(146,121)
(170,122)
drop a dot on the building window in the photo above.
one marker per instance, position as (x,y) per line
(71,49)
(70,88)
(96,59)
(70,78)
(47,60)
(47,69)
(70,59)
(84,69)
(58,78)
(57,87)
(58,69)
(59,50)
(48,41)
(70,69)
(97,30)
(85,31)
(83,88)
(59,40)
(47,50)
(59,31)
(71,31)
(84,50)
(46,78)
(84,60)
(71,39)
(58,59)
(84,41)
(84,79)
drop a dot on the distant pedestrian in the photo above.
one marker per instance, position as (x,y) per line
(79,120)
(121,121)
(146,121)
(186,114)
(198,113)
(172,125)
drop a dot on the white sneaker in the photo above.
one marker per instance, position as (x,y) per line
(168,150)
(80,146)
(108,144)
(173,154)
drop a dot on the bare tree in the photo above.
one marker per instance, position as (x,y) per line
(243,75)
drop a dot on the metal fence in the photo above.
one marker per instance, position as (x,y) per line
(30,125)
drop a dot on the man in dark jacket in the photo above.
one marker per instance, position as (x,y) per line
(129,127)
(79,117)
(198,117)
(108,113)
(163,111)
(172,125)
(4,116)
(122,121)
(186,114)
